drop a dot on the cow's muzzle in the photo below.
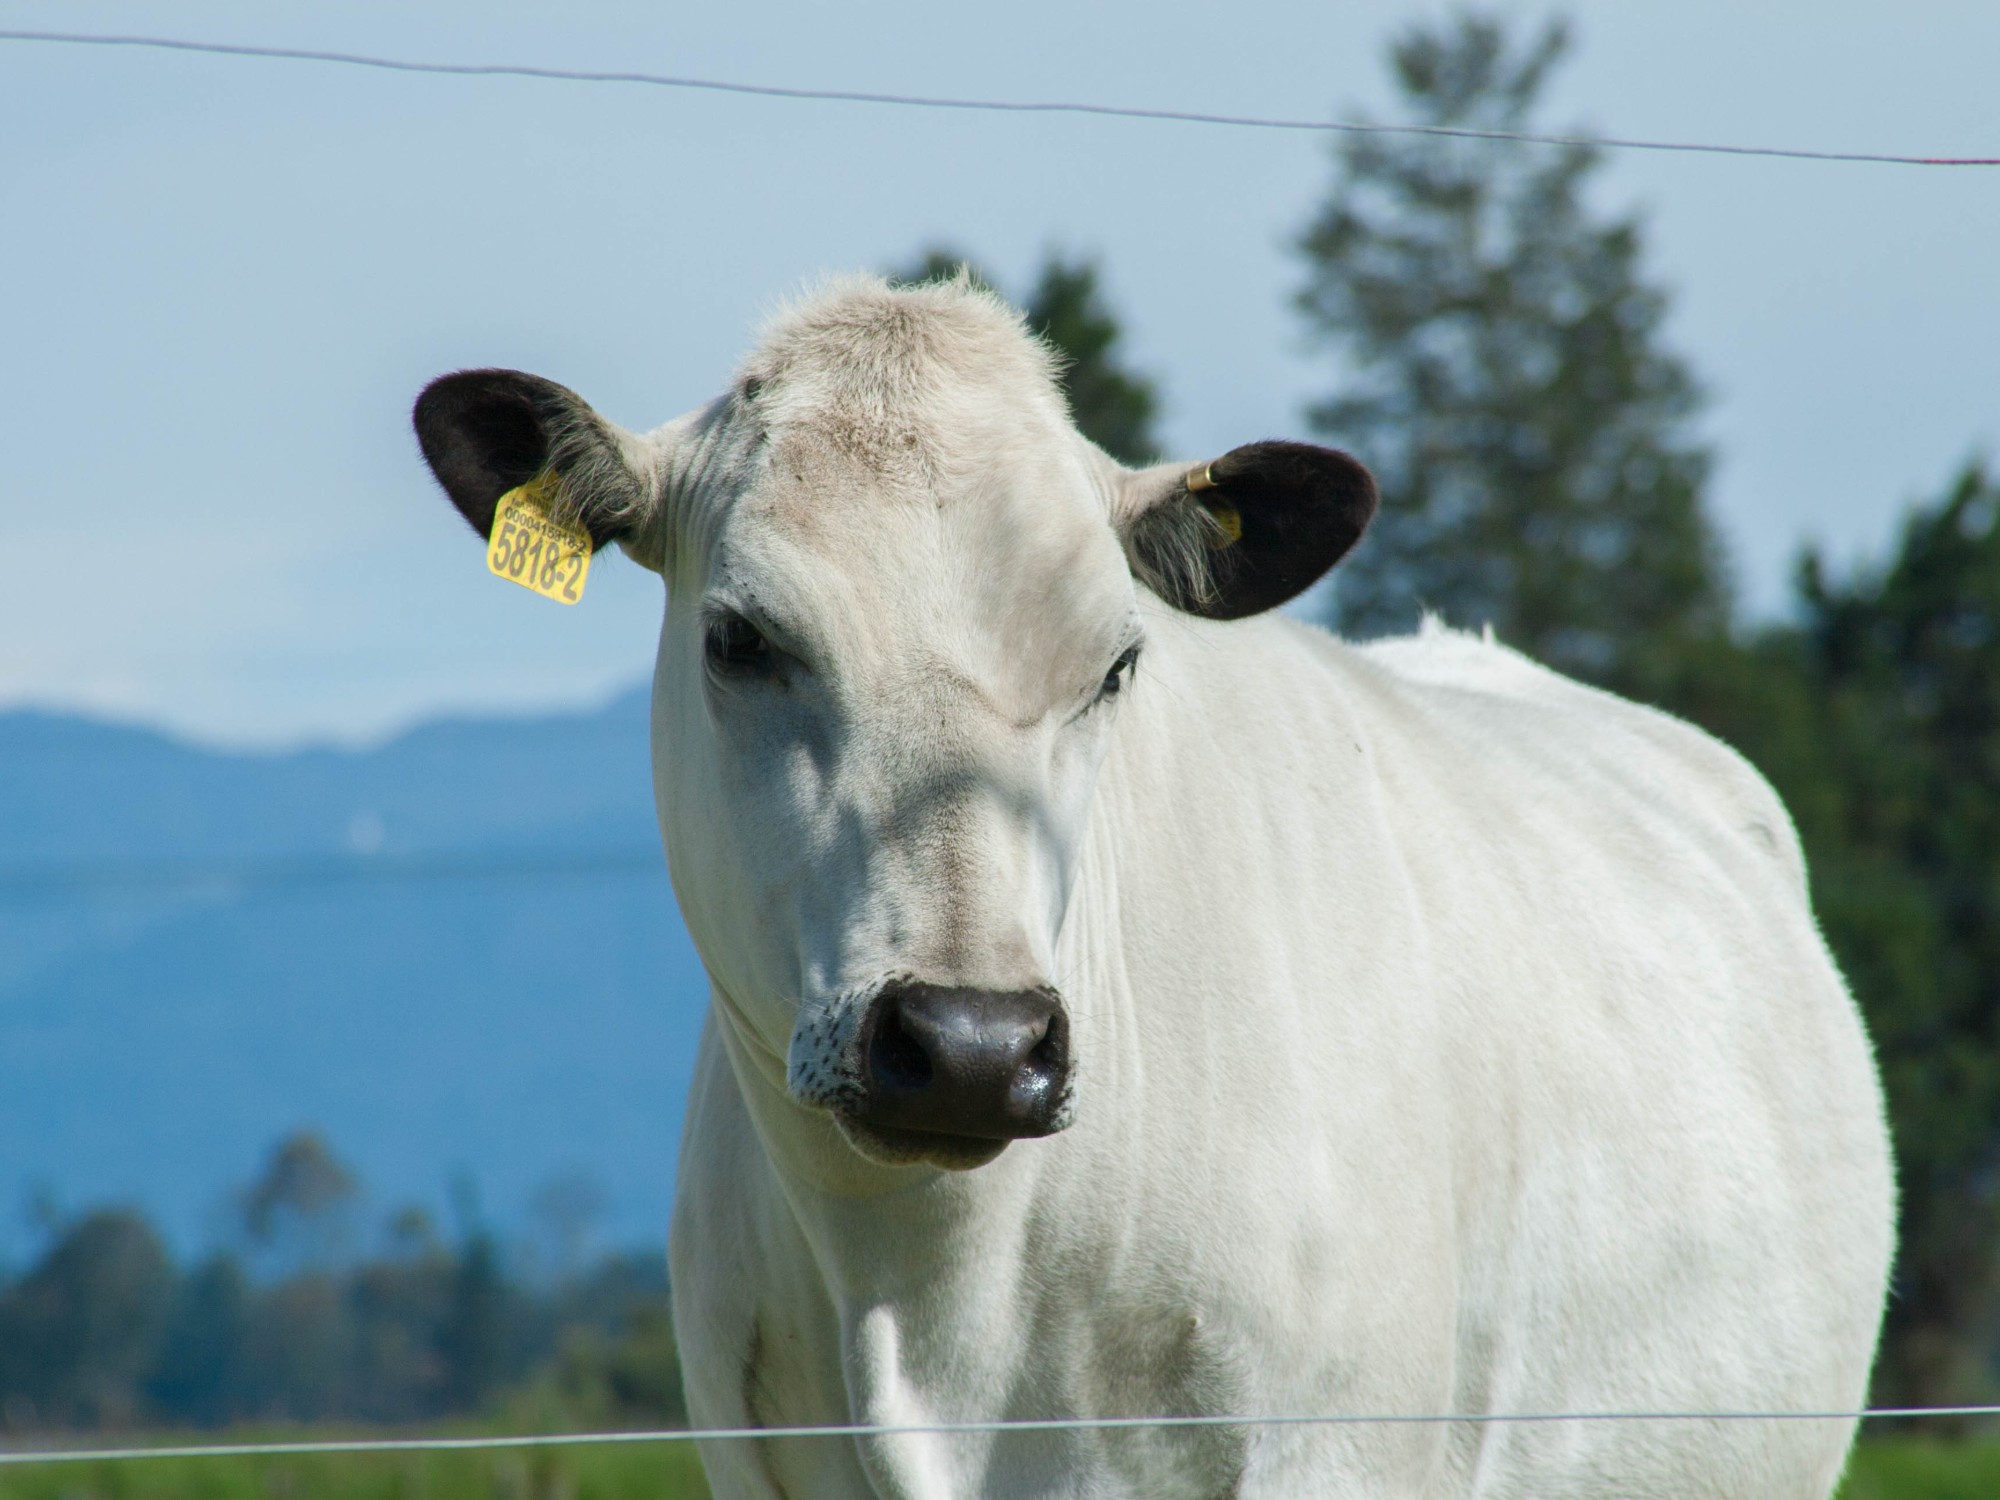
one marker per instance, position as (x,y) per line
(986,1065)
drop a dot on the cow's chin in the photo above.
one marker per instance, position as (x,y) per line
(909,1148)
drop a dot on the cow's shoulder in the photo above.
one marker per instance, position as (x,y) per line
(1486,698)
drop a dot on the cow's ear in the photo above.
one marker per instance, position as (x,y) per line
(484,432)
(1247,531)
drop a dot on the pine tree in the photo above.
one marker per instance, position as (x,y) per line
(1503,375)
(1904,663)
(1112,405)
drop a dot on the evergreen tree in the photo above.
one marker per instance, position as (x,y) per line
(199,1377)
(472,1340)
(1539,469)
(1113,406)
(1503,376)
(80,1331)
(1904,663)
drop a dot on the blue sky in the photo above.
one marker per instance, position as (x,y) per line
(224,281)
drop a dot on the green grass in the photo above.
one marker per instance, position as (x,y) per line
(1883,1469)
(1912,1468)
(637,1471)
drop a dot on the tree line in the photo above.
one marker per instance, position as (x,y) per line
(105,1329)
(1496,353)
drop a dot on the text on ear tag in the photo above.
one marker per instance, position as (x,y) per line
(529,546)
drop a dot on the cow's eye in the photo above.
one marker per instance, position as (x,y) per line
(736,648)
(1120,674)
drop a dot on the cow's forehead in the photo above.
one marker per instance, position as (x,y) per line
(1006,572)
(876,365)
(876,395)
(917,468)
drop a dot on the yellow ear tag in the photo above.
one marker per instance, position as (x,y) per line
(1228,521)
(529,546)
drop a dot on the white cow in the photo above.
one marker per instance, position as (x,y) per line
(1129,1003)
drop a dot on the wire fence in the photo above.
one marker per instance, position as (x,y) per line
(851,1432)
(990,106)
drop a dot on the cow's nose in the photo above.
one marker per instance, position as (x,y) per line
(993,1064)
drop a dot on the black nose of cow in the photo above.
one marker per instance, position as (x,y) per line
(984,1063)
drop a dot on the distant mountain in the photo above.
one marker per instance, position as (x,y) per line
(456,955)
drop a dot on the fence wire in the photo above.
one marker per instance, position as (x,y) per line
(993,106)
(22,1456)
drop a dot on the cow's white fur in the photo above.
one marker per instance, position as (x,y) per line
(1450,1037)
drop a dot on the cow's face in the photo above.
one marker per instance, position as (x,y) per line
(902,616)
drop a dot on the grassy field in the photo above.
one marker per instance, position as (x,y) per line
(641,1471)
(1887,1469)
(1923,1469)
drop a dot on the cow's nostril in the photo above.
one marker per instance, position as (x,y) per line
(987,1064)
(896,1059)
(1052,1051)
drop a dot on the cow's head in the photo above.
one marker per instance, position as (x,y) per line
(903,608)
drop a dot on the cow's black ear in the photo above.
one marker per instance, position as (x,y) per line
(485,431)
(1247,531)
